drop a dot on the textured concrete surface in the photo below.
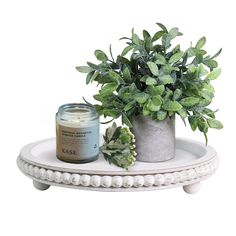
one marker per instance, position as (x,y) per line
(155,140)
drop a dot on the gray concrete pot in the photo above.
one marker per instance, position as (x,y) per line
(155,140)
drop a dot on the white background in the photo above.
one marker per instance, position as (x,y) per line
(41,42)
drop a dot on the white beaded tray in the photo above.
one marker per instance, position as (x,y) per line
(193,163)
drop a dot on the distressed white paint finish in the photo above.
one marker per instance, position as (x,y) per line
(193,162)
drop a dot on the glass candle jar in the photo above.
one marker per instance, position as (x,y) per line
(77,133)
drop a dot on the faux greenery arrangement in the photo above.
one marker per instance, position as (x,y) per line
(157,80)
(118,147)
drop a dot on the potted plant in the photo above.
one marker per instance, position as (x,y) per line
(156,82)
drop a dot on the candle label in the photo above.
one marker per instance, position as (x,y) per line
(77,143)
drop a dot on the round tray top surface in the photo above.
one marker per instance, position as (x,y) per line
(188,155)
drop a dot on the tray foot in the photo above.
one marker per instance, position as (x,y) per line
(192,188)
(40,186)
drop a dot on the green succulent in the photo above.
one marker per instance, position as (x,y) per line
(118,147)
(156,80)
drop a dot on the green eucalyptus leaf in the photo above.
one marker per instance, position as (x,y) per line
(97,97)
(127,75)
(166,69)
(210,63)
(166,79)
(202,71)
(174,32)
(126,50)
(162,27)
(98,108)
(117,104)
(191,52)
(103,79)
(208,112)
(129,106)
(176,49)
(166,41)
(110,132)
(144,78)
(136,40)
(209,88)
(89,77)
(108,88)
(198,59)
(146,34)
(213,123)
(153,68)
(176,57)
(155,90)
(94,76)
(191,68)
(115,77)
(200,43)
(157,35)
(151,81)
(193,122)
(168,94)
(161,115)
(133,88)
(126,97)
(84,69)
(189,101)
(171,105)
(177,94)
(185,59)
(157,100)
(93,66)
(201,52)
(148,44)
(125,120)
(100,55)
(159,90)
(159,59)
(204,102)
(182,112)
(146,111)
(214,74)
(111,112)
(217,54)
(141,97)
(207,95)
(152,106)
(202,125)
